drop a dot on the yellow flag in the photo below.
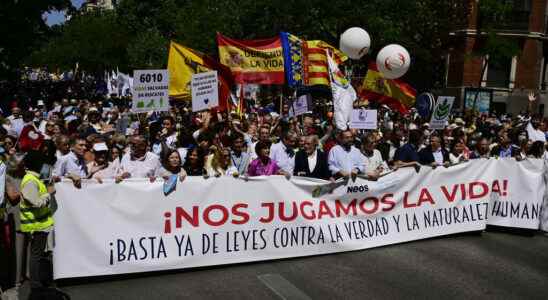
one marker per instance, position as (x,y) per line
(182,63)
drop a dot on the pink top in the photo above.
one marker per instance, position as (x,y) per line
(256,168)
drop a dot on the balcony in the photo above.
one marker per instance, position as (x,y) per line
(518,21)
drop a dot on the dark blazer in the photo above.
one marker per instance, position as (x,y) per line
(320,171)
(426,157)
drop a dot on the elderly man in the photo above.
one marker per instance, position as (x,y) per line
(138,163)
(283,153)
(344,159)
(311,161)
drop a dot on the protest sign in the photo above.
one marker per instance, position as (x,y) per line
(364,119)
(441,112)
(150,90)
(227,220)
(205,91)
(300,106)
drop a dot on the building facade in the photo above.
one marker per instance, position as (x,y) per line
(505,85)
(91,5)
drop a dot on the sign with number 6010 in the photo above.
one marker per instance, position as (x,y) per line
(148,77)
(150,90)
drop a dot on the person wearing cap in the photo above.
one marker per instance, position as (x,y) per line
(101,168)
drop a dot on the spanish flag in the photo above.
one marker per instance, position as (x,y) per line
(253,61)
(395,93)
(316,70)
(183,62)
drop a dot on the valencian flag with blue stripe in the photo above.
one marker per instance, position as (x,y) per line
(293,59)
(306,61)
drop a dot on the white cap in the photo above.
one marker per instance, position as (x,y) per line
(40,103)
(100,147)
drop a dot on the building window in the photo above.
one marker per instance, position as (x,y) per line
(498,74)
(517,20)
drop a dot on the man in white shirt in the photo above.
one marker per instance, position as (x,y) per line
(16,120)
(75,167)
(534,131)
(374,164)
(138,163)
(344,159)
(283,153)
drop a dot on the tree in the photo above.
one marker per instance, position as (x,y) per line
(23,29)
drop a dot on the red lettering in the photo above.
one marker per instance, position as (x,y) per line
(270,215)
(312,214)
(405,203)
(240,213)
(207,217)
(425,197)
(484,190)
(450,198)
(463,191)
(339,206)
(372,210)
(281,212)
(495,188)
(389,200)
(324,210)
(180,213)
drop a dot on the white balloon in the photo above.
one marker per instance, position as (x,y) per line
(393,61)
(355,42)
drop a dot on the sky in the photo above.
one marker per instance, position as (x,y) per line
(57,17)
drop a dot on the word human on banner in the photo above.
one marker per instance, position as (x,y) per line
(150,90)
(364,119)
(441,112)
(205,91)
(228,220)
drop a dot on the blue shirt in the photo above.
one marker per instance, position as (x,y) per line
(406,153)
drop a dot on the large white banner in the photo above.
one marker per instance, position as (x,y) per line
(522,189)
(109,228)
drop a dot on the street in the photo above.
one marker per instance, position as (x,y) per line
(494,265)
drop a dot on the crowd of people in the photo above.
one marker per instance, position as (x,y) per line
(77,140)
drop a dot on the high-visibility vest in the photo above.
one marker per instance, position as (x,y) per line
(34,218)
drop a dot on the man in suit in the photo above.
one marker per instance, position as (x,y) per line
(434,155)
(310,161)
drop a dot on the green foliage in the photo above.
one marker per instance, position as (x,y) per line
(22,28)
(137,34)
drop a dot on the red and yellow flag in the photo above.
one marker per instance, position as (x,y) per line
(253,61)
(315,64)
(183,62)
(395,93)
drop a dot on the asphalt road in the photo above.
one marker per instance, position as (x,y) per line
(493,266)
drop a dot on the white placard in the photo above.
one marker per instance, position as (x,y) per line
(205,91)
(150,90)
(300,106)
(364,119)
(441,113)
